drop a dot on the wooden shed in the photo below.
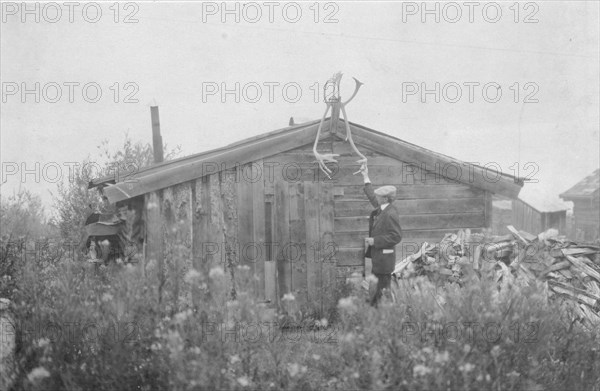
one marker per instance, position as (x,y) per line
(586,207)
(536,215)
(264,203)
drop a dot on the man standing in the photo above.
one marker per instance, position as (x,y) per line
(384,233)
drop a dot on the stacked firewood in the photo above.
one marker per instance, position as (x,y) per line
(570,270)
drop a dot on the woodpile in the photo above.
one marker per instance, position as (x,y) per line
(570,270)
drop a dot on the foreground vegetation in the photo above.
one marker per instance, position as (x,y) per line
(82,327)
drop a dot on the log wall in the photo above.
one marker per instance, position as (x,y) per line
(295,229)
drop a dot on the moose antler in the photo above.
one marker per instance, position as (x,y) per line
(335,99)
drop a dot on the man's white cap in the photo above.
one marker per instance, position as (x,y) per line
(386,191)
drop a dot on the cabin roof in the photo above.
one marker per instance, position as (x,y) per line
(191,167)
(587,187)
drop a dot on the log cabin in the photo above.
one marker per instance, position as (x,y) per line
(263,202)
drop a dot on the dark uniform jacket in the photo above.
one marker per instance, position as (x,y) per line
(384,228)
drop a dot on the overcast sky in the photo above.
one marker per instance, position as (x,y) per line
(175,52)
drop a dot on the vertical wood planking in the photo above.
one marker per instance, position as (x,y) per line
(230,218)
(326,215)
(311,214)
(169,243)
(215,235)
(245,206)
(258,229)
(270,255)
(201,225)
(282,233)
(298,246)
(154,242)
(488,209)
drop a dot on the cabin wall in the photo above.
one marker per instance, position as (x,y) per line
(295,229)
(530,220)
(586,219)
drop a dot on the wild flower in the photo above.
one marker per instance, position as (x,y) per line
(243,381)
(288,297)
(216,272)
(234,359)
(321,323)
(43,342)
(347,304)
(192,276)
(180,317)
(466,368)
(107,297)
(421,370)
(441,358)
(38,374)
(293,369)
(513,374)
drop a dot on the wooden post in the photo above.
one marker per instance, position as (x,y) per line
(157,144)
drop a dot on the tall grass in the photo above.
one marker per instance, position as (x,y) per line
(81,327)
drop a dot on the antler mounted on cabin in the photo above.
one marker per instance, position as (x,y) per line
(333,100)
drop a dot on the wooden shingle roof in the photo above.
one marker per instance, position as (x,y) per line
(587,187)
(191,167)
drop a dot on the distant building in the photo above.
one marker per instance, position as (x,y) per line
(538,214)
(585,196)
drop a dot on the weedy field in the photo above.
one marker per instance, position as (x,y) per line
(82,327)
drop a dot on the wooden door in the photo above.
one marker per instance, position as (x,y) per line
(303,216)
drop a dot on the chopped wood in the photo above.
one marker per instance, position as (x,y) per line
(517,235)
(569,270)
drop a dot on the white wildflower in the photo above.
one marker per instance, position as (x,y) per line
(216,272)
(421,370)
(107,297)
(43,342)
(466,368)
(38,374)
(192,276)
(347,303)
(244,381)
(182,316)
(288,297)
(372,279)
(293,369)
(441,358)
(234,359)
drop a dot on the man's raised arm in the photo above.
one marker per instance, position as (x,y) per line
(368,187)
